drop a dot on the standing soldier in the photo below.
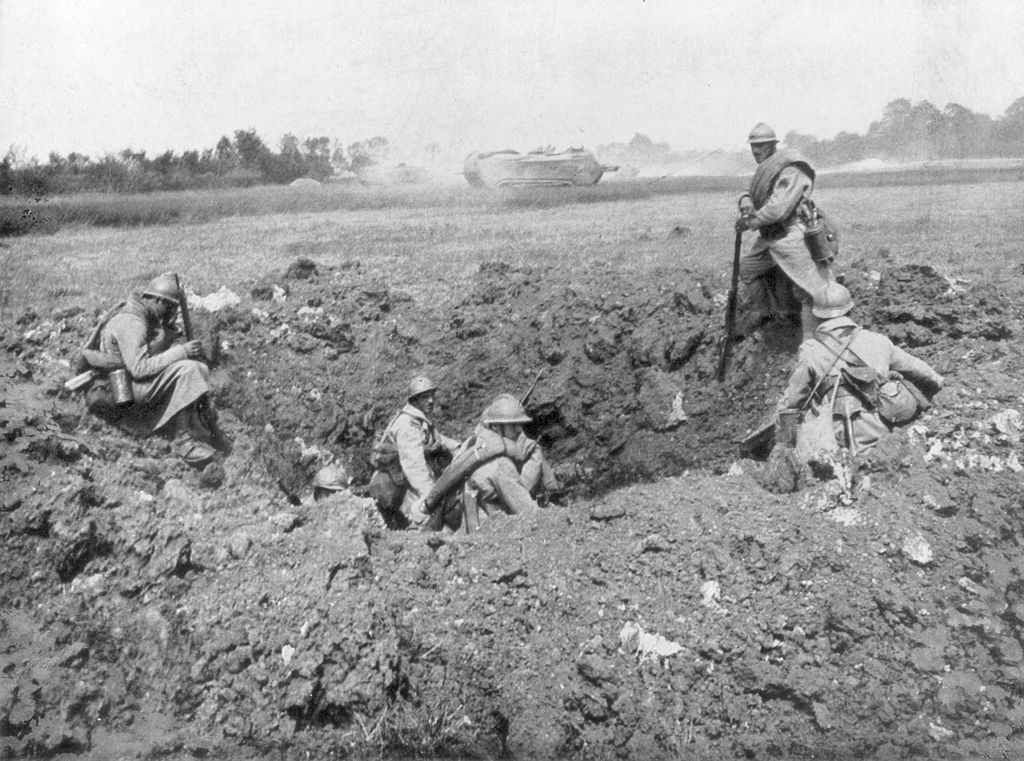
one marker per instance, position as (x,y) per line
(777,206)
(408,456)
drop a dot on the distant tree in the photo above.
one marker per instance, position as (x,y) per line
(190,162)
(164,163)
(318,157)
(225,154)
(1009,130)
(367,153)
(250,149)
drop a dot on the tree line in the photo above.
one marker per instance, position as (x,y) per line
(242,161)
(916,132)
(906,132)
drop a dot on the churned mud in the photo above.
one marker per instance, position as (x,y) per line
(683,602)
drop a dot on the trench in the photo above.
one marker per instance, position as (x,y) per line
(624,370)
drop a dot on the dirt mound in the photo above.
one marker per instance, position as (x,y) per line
(692,613)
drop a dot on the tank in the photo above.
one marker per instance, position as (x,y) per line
(543,167)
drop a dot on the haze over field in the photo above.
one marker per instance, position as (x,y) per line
(102,75)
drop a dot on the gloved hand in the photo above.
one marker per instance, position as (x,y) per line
(743,223)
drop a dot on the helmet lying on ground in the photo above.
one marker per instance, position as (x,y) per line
(331,477)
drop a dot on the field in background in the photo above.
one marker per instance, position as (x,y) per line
(46,215)
(428,243)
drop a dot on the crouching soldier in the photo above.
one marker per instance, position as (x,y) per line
(853,377)
(497,470)
(407,457)
(139,345)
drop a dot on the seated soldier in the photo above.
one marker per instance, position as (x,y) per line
(407,457)
(821,374)
(498,470)
(168,379)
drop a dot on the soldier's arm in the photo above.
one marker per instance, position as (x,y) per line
(533,467)
(917,369)
(801,381)
(129,333)
(790,186)
(409,443)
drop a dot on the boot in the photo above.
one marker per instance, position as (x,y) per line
(186,446)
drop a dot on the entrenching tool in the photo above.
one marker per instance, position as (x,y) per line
(725,351)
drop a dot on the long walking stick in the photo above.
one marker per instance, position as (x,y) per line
(725,355)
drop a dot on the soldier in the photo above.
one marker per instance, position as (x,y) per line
(498,468)
(838,344)
(169,382)
(407,457)
(329,480)
(777,207)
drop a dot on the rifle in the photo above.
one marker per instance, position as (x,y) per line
(725,355)
(186,318)
(529,392)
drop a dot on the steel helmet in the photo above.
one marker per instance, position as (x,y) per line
(832,301)
(505,409)
(762,133)
(163,286)
(421,384)
(331,477)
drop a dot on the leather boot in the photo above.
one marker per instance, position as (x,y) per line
(186,445)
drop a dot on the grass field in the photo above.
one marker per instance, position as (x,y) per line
(428,242)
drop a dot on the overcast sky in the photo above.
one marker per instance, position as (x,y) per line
(100,75)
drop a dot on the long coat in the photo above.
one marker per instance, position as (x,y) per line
(164,380)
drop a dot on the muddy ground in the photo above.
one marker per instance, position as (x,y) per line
(684,602)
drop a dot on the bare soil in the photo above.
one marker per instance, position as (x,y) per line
(683,603)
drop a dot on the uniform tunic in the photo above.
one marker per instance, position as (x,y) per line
(409,479)
(164,380)
(877,351)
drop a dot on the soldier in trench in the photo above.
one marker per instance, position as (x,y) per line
(498,470)
(407,457)
(778,267)
(169,381)
(822,374)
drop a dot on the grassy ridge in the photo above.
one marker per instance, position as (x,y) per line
(20,216)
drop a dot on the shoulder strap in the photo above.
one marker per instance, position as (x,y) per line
(838,356)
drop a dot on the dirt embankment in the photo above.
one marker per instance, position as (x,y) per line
(150,612)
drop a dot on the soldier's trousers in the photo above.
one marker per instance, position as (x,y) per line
(790,255)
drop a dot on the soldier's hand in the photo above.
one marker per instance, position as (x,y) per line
(742,224)
(194,349)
